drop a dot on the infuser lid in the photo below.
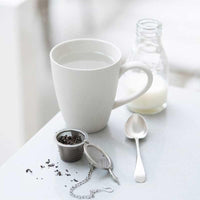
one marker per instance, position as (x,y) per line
(99,159)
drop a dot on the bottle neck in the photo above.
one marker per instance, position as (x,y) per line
(149,31)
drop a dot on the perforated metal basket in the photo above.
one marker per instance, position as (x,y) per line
(68,152)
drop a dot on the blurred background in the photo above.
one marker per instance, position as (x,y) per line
(30,28)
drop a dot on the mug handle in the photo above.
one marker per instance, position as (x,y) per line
(132,66)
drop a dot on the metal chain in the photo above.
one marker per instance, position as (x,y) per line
(92,192)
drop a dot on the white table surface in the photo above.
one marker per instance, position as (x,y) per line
(171,155)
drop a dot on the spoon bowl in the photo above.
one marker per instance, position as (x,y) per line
(136,127)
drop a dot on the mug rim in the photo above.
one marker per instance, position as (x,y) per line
(85,39)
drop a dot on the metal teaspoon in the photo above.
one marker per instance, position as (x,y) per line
(136,128)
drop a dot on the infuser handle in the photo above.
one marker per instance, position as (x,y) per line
(113,176)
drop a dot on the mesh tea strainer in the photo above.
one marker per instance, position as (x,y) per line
(97,158)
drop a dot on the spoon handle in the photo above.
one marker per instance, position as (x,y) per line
(139,169)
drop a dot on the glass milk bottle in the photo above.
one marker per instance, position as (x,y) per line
(150,51)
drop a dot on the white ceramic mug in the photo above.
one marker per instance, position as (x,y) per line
(87,96)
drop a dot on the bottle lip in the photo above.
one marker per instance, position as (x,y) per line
(148,27)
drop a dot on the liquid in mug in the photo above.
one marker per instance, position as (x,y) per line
(86,60)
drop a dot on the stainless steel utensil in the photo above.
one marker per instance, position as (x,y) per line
(99,159)
(136,128)
(68,152)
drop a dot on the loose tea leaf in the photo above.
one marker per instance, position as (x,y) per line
(68,174)
(75,139)
(51,165)
(48,161)
(29,170)
(59,173)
